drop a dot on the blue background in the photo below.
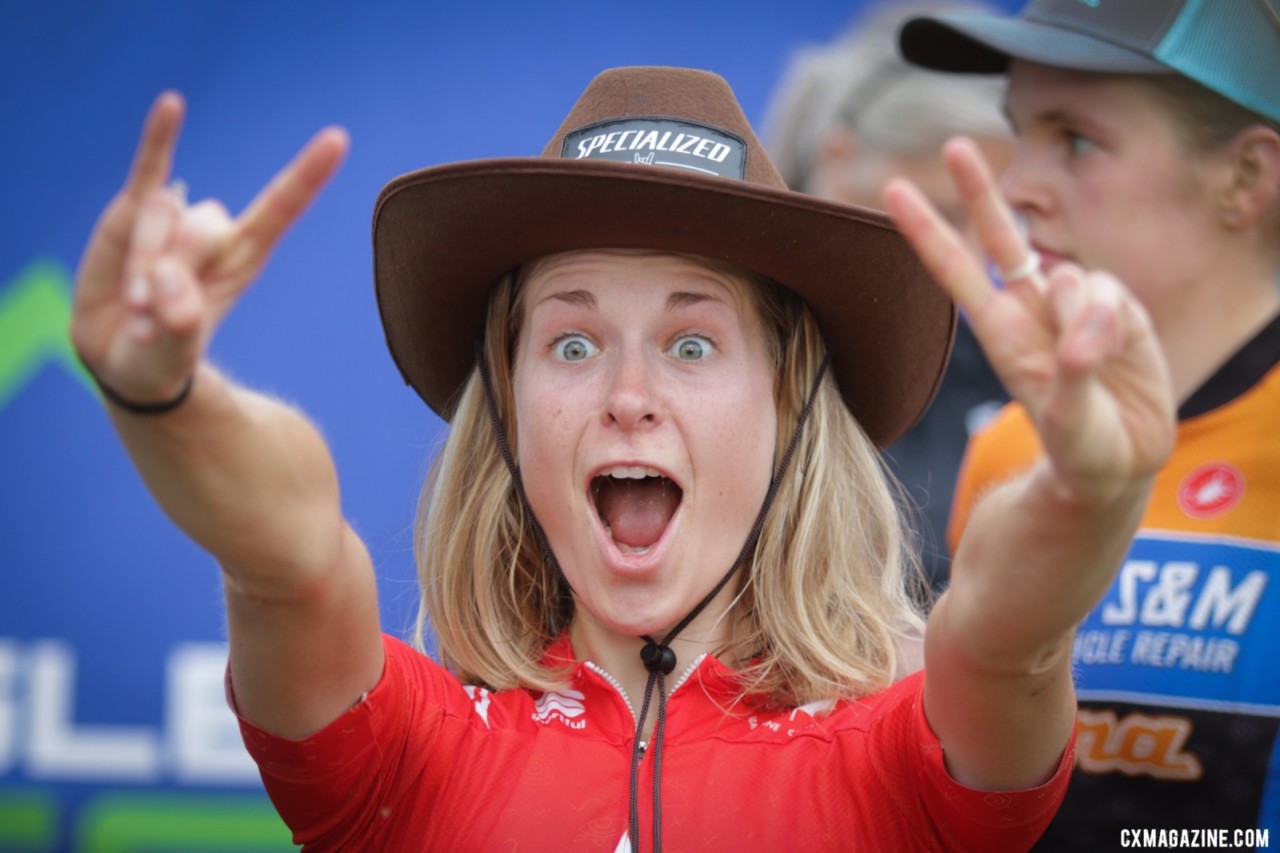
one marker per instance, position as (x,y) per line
(89,559)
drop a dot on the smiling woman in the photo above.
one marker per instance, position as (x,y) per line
(667,574)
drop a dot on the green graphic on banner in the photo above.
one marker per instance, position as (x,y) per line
(143,823)
(35,318)
(129,823)
(28,820)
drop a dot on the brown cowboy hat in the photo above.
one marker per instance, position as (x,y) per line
(655,158)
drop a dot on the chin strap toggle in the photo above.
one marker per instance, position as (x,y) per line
(658,659)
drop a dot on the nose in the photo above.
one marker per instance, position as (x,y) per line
(1020,185)
(631,400)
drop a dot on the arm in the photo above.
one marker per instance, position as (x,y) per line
(247,477)
(1039,551)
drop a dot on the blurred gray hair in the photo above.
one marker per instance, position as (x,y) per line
(861,81)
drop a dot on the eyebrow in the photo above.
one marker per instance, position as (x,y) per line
(582,298)
(1054,116)
(683,298)
(587,299)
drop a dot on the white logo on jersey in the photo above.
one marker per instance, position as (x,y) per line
(479,701)
(1165,595)
(563,705)
(814,708)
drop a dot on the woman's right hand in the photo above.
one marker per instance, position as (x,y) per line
(158,276)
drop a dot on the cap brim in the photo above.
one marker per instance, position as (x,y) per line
(984,44)
(443,236)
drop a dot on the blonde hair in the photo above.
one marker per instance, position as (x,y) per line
(825,602)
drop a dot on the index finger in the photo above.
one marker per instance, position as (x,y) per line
(154,158)
(290,192)
(940,247)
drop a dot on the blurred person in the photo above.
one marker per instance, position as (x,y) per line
(845,118)
(1148,145)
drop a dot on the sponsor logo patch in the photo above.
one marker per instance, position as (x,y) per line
(1138,745)
(1211,490)
(660,142)
(1189,622)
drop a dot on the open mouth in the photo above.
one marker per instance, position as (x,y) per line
(635,504)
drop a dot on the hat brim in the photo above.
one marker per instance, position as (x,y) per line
(443,236)
(984,45)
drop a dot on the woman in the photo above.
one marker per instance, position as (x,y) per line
(1149,146)
(654,473)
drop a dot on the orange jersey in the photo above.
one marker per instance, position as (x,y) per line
(1176,668)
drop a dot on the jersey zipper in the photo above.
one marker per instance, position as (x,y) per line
(617,685)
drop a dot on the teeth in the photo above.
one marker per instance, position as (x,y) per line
(628,549)
(630,472)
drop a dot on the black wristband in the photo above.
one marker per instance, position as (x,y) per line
(160,408)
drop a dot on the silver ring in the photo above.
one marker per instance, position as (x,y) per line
(1026,268)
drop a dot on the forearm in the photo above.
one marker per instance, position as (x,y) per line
(247,477)
(1031,564)
(1034,560)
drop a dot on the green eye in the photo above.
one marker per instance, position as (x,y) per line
(575,348)
(691,348)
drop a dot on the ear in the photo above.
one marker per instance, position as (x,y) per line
(1255,185)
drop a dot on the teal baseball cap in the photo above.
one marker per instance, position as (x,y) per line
(1231,47)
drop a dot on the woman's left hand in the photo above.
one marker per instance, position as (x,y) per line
(1074,347)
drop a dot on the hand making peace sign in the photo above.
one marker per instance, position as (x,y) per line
(158,276)
(1074,347)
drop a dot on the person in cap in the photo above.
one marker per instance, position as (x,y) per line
(664,567)
(846,117)
(1149,145)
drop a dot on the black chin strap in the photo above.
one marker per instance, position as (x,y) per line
(500,435)
(658,657)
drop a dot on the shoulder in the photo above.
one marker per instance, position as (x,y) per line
(415,682)
(1004,447)
(1010,435)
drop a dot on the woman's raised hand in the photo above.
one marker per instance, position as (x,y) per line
(1074,347)
(158,275)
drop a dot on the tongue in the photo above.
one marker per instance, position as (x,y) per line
(637,511)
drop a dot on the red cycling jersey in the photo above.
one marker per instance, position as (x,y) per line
(424,762)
